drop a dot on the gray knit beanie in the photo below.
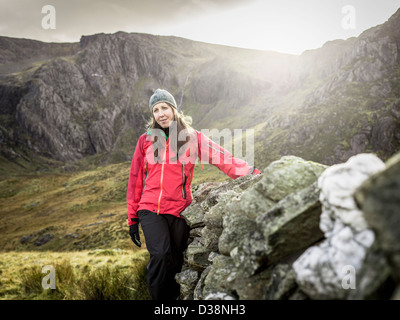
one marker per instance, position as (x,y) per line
(161,95)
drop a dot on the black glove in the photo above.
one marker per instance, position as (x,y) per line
(134,233)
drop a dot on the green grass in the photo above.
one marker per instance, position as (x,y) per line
(83,217)
(84,204)
(86,275)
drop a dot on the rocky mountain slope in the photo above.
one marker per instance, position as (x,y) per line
(60,103)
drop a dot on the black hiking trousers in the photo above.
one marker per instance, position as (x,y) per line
(166,238)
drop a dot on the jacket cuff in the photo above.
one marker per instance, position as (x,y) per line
(133,221)
(254,170)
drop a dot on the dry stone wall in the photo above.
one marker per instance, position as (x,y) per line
(295,232)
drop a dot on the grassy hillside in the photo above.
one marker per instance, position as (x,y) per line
(76,222)
(84,275)
(76,211)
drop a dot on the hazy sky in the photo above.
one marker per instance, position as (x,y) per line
(289,26)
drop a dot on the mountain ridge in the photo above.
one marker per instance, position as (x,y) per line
(98,107)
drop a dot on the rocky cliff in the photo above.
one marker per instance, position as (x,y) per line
(63,102)
(301,230)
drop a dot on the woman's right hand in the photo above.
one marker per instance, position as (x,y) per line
(134,233)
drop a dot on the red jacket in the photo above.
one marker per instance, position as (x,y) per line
(163,185)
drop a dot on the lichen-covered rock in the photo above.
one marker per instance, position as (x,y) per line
(256,239)
(379,199)
(250,254)
(187,279)
(194,214)
(43,239)
(198,290)
(250,288)
(214,217)
(210,237)
(235,225)
(282,285)
(213,195)
(396,294)
(291,225)
(308,240)
(287,175)
(338,185)
(347,257)
(253,202)
(219,277)
(197,256)
(216,295)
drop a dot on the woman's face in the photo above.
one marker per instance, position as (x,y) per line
(163,114)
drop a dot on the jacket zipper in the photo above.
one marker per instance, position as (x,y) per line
(145,176)
(184,177)
(161,179)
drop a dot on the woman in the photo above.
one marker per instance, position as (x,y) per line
(159,188)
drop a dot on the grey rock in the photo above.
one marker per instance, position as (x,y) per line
(92,224)
(250,288)
(396,294)
(71,235)
(210,237)
(321,270)
(25,239)
(194,215)
(198,290)
(187,280)
(216,295)
(378,198)
(252,202)
(293,224)
(43,239)
(266,236)
(214,217)
(250,254)
(212,197)
(197,256)
(287,175)
(195,232)
(219,277)
(236,224)
(282,285)
(288,227)
(313,243)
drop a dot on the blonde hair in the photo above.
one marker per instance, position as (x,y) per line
(184,122)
